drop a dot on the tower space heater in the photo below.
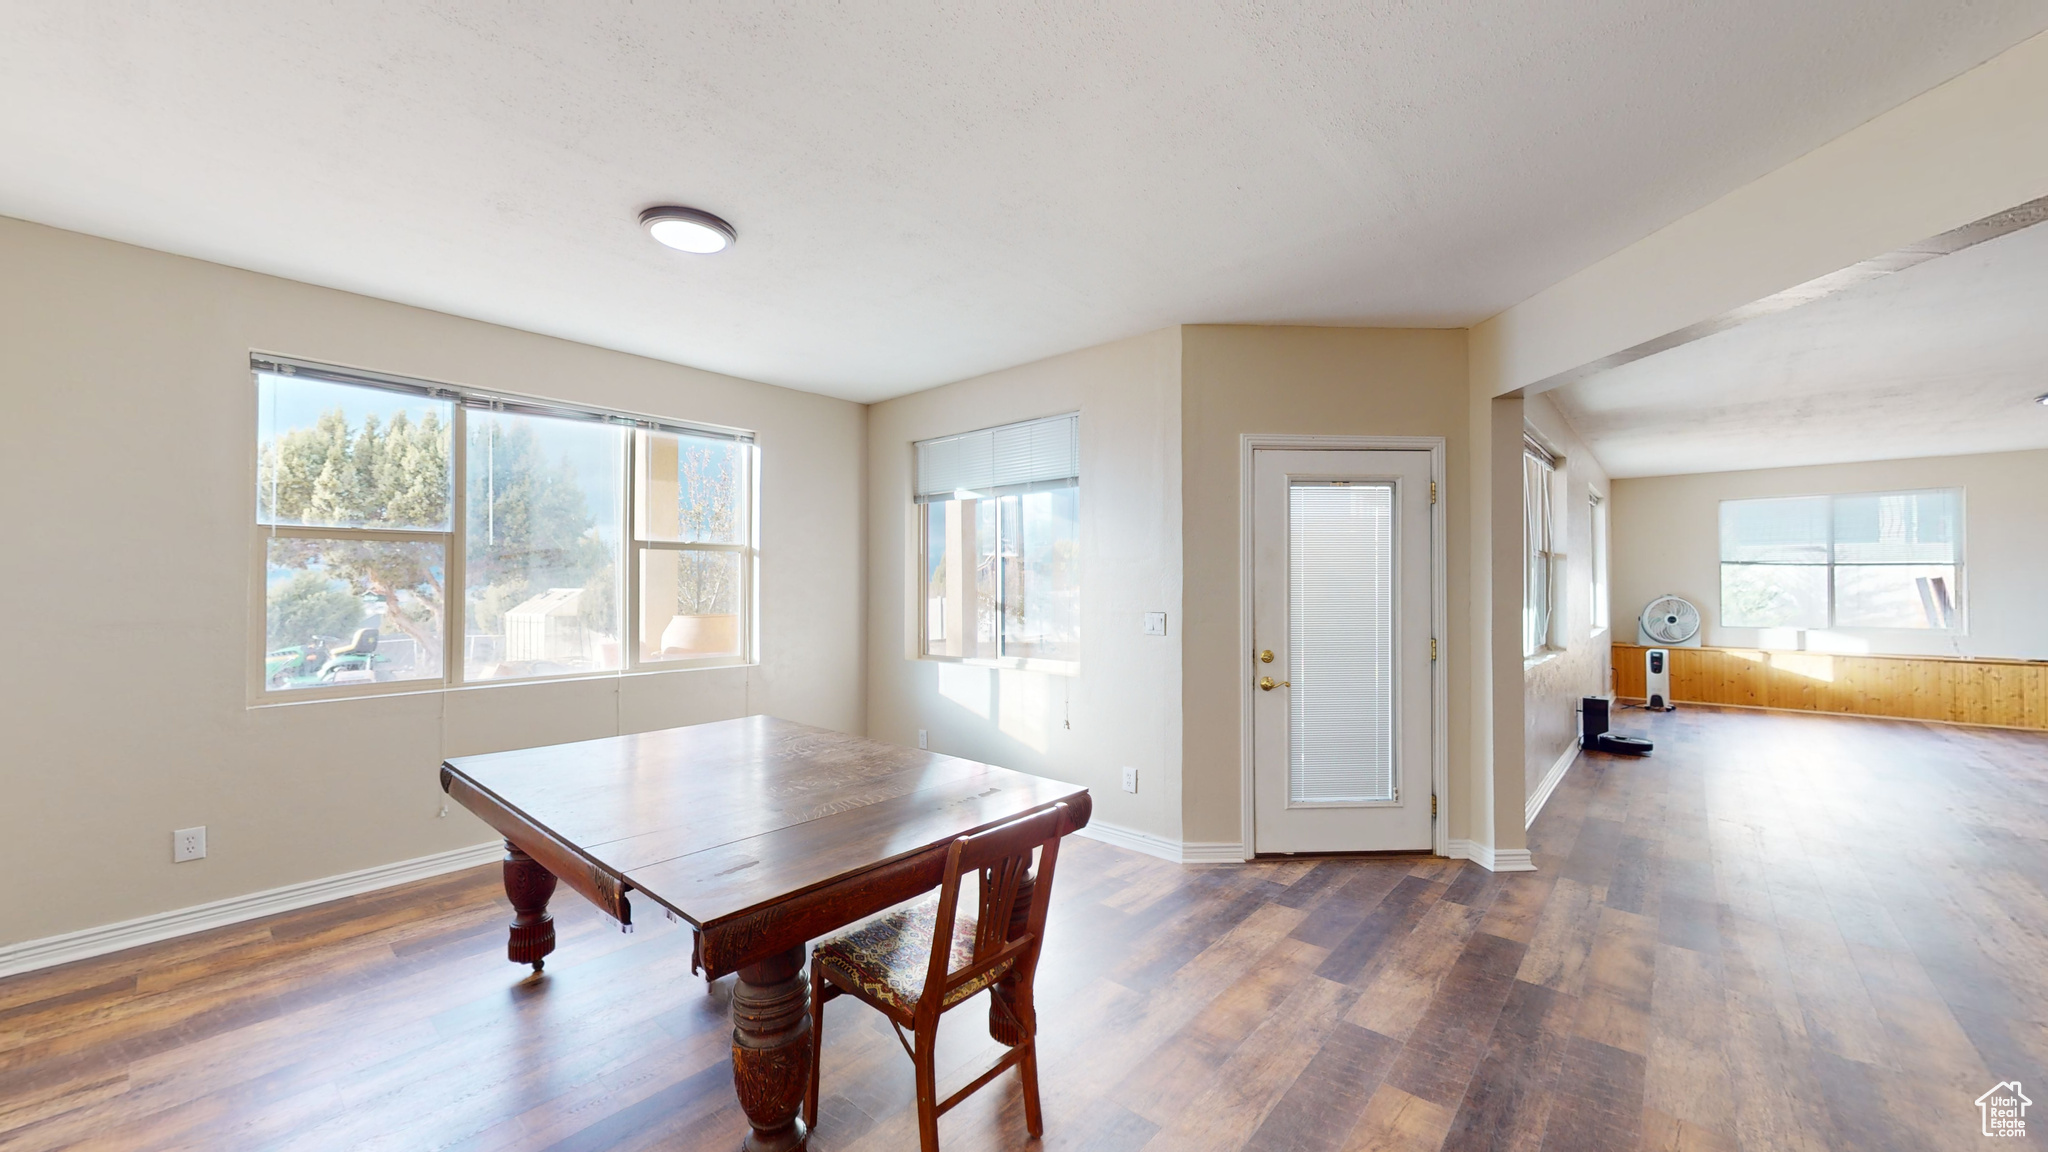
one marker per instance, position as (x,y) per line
(1657,679)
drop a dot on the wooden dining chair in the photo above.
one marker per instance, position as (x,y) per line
(891,963)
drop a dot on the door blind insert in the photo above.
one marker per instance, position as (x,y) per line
(1341,643)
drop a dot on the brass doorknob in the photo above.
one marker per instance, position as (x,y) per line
(1267,683)
(1266,656)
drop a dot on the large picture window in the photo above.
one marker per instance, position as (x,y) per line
(416,533)
(1000,542)
(1867,560)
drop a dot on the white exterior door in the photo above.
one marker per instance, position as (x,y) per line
(1340,658)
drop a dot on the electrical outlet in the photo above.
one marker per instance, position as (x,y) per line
(1130,779)
(924,739)
(188,844)
(1155,623)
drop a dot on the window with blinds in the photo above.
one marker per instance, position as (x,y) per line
(1862,560)
(1540,556)
(1340,603)
(999,532)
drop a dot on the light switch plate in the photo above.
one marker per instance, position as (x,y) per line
(924,740)
(188,844)
(1155,623)
(1130,779)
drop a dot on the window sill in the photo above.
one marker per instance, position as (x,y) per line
(381,692)
(1543,657)
(1009,664)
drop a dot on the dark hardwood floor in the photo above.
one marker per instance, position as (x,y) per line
(1780,932)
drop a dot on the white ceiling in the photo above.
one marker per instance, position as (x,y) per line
(923,192)
(1942,359)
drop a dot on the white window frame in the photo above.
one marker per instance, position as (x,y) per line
(454,581)
(636,549)
(1540,551)
(1959,598)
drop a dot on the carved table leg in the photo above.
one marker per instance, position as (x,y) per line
(1002,1024)
(528,886)
(771,1049)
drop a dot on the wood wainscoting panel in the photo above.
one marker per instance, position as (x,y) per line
(1995,693)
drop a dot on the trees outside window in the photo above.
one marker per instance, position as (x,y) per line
(358,486)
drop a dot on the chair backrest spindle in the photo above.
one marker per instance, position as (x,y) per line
(1001,857)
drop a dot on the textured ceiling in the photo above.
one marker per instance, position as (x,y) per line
(1941,359)
(923,192)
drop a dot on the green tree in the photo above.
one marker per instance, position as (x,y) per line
(708,511)
(384,475)
(529,528)
(309,605)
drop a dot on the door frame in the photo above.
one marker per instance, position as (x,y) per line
(1439,728)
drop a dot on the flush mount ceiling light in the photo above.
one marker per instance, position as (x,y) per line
(2042,399)
(688,229)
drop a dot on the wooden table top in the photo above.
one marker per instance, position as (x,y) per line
(715,821)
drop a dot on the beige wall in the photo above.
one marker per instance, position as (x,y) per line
(127,435)
(1554,684)
(1123,709)
(1667,539)
(1290,380)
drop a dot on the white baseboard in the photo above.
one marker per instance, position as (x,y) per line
(1197,852)
(1490,858)
(30,955)
(1549,783)
(1133,839)
(1231,852)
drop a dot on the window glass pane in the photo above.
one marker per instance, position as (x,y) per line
(690,489)
(960,600)
(351,612)
(1042,575)
(1774,595)
(1600,606)
(988,568)
(1792,530)
(1896,528)
(689,604)
(1895,596)
(346,456)
(1340,644)
(545,510)
(1539,594)
(937,632)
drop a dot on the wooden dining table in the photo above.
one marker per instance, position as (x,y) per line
(760,834)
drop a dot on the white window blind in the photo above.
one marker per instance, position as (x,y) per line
(1340,587)
(1539,539)
(1029,456)
(1896,528)
(1791,530)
